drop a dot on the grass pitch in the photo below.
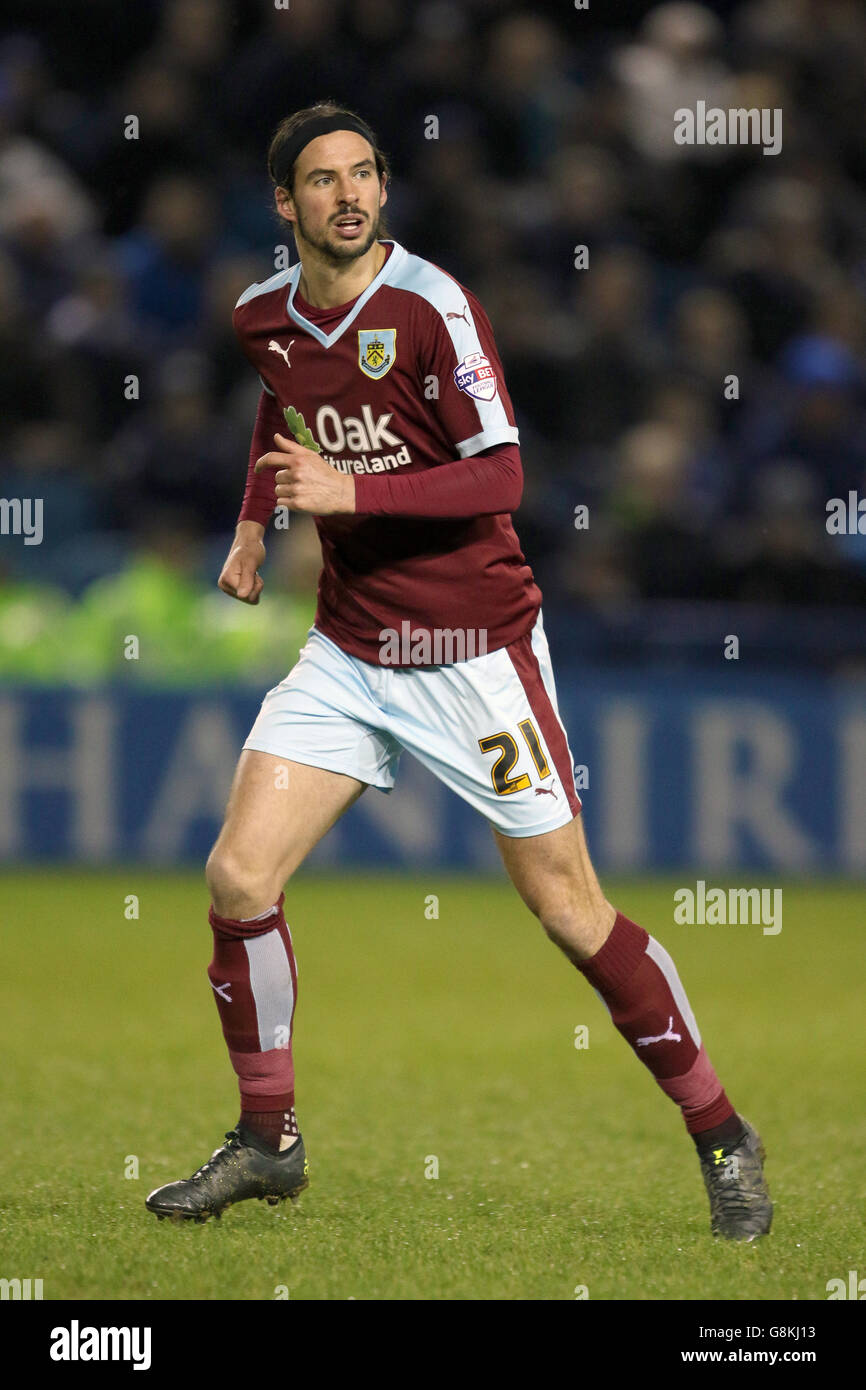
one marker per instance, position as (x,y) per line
(418,1040)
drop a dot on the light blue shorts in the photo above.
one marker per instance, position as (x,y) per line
(489,727)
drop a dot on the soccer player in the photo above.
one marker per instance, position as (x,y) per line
(384,414)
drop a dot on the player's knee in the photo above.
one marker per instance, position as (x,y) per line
(238,889)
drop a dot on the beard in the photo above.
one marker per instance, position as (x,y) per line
(339,252)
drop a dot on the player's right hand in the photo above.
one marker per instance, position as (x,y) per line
(240,577)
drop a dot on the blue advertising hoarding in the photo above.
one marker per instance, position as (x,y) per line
(715,772)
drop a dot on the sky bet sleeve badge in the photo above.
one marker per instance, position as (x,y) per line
(476,377)
(376,350)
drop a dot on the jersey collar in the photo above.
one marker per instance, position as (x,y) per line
(396,258)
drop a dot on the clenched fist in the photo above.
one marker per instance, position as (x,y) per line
(240,574)
(305,483)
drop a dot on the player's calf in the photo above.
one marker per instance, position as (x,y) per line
(579,930)
(555,878)
(254,979)
(637,980)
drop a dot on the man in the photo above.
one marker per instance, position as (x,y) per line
(384,413)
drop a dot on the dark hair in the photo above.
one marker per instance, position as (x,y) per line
(295,123)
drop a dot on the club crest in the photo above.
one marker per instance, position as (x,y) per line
(377,349)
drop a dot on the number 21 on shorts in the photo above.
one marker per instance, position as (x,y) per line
(503,783)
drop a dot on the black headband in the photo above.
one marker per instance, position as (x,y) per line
(285,157)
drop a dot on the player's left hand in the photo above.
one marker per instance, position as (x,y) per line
(305,483)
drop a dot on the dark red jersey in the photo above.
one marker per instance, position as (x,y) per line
(404,389)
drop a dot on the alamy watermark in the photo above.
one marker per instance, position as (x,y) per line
(77,1343)
(738,126)
(438,646)
(846,517)
(22,516)
(854,1288)
(729,907)
(20,1289)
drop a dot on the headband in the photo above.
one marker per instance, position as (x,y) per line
(320,125)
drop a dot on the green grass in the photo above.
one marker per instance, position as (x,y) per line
(557,1167)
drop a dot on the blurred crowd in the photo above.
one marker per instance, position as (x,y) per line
(698,384)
